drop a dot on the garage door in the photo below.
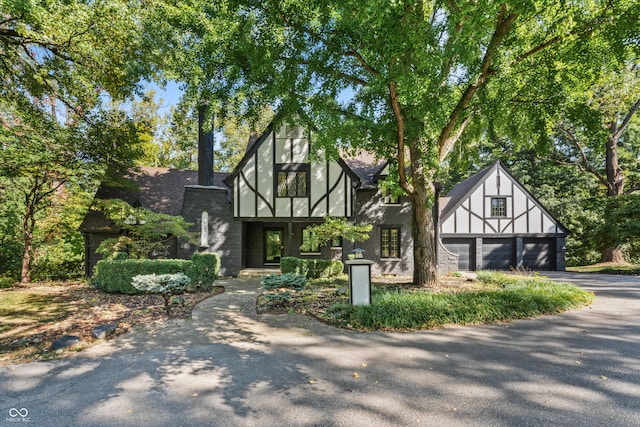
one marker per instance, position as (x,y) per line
(465,248)
(538,254)
(497,254)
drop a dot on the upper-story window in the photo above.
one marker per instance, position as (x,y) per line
(293,180)
(498,206)
(388,198)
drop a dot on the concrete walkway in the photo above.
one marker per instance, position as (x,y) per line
(231,367)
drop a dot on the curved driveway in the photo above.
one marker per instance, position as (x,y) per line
(230,367)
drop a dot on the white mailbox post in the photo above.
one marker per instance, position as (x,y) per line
(359,281)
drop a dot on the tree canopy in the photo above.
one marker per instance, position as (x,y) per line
(409,80)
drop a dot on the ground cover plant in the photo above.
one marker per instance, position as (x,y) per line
(31,319)
(399,306)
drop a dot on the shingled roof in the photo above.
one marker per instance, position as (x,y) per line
(366,166)
(160,190)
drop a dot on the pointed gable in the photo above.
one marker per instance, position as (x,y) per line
(493,202)
(277,178)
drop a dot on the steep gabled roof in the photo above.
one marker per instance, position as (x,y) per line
(363,166)
(160,190)
(459,192)
(366,166)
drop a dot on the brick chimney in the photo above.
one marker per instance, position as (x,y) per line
(205,149)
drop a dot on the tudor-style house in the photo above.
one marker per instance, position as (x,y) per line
(261,211)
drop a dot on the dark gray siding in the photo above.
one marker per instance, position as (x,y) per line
(225,234)
(371,210)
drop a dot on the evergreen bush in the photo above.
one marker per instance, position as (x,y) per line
(290,281)
(165,285)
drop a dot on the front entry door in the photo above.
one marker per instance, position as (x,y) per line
(273,245)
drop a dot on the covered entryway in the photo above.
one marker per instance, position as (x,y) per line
(273,246)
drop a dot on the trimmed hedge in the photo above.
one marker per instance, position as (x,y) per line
(203,271)
(311,268)
(117,276)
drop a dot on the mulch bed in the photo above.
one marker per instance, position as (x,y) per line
(89,308)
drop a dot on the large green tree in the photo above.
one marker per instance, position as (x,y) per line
(59,62)
(595,135)
(408,79)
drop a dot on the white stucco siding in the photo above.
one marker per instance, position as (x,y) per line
(519,203)
(337,194)
(318,189)
(265,181)
(448,225)
(246,180)
(490,184)
(283,150)
(283,207)
(506,226)
(548,225)
(462,218)
(300,148)
(476,206)
(535,220)
(300,207)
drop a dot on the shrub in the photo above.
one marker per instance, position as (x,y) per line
(165,285)
(288,280)
(203,271)
(289,264)
(117,275)
(311,268)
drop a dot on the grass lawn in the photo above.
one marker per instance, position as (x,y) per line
(608,268)
(493,297)
(32,318)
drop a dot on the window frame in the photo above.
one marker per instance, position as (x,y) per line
(387,198)
(317,251)
(499,211)
(389,229)
(292,168)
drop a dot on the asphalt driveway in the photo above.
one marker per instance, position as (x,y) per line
(231,367)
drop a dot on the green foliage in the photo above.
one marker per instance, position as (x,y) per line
(170,284)
(311,268)
(278,297)
(145,232)
(333,228)
(286,280)
(203,270)
(507,298)
(622,229)
(60,61)
(165,285)
(117,275)
(423,78)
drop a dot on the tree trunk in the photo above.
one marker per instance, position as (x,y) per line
(28,225)
(613,255)
(615,188)
(425,271)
